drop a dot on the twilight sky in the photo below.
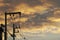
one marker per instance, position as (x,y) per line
(38,16)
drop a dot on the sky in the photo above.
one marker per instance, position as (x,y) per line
(39,18)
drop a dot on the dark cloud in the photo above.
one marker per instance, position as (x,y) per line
(39,19)
(10,5)
(29,2)
(5,8)
(12,2)
(33,2)
(54,2)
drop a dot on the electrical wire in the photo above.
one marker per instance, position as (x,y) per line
(20,31)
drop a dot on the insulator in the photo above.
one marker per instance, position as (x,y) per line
(10,14)
(16,27)
(19,14)
(17,31)
(13,14)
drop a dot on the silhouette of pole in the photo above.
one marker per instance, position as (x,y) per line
(5,34)
(13,32)
(5,38)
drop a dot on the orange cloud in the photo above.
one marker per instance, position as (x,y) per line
(2,4)
(28,10)
(23,19)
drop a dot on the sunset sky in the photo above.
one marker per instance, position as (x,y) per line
(40,19)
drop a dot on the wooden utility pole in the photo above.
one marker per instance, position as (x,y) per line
(5,34)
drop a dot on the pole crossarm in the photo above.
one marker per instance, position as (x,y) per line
(13,13)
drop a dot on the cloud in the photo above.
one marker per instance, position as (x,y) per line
(37,17)
(7,5)
(29,2)
(56,3)
(33,2)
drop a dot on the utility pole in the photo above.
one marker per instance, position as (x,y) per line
(13,31)
(5,34)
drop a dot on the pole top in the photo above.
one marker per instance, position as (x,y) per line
(13,13)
